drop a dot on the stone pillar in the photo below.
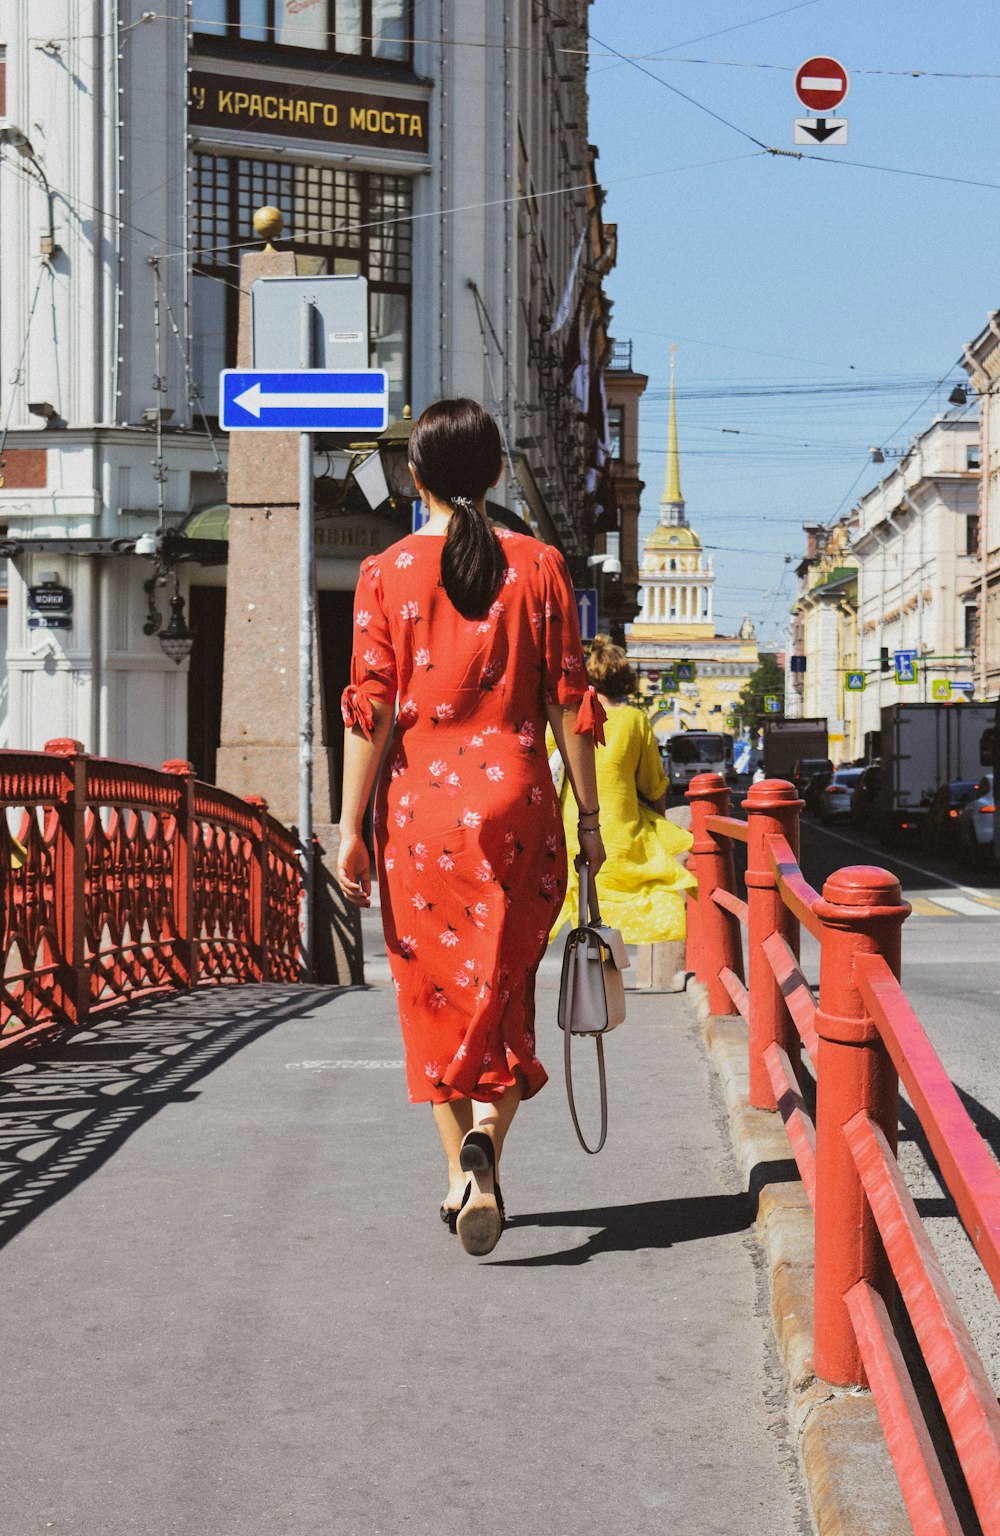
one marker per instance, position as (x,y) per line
(259,737)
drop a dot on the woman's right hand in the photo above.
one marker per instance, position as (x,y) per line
(592,848)
(354,870)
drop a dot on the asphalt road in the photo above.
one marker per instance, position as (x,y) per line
(951,973)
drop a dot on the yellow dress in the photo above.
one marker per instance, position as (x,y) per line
(642,886)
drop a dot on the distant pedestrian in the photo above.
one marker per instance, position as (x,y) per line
(475,630)
(643,884)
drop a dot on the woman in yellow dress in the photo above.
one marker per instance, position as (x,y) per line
(642,885)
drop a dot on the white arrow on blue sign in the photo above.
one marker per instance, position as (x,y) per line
(586,607)
(308,400)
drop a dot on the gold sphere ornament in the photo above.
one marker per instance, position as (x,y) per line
(269,222)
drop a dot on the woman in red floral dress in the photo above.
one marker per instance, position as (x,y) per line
(475,632)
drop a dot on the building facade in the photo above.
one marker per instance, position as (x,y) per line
(981,359)
(675,627)
(437,148)
(617,529)
(824,636)
(916,541)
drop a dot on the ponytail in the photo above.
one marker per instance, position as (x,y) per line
(455,449)
(473,564)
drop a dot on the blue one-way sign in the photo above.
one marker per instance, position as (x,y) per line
(309,400)
(586,607)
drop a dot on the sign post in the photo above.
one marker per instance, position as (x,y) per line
(306,400)
(307,616)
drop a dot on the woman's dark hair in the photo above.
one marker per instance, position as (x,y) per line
(455,449)
(608,669)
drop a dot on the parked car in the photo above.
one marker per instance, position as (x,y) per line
(940,829)
(834,799)
(813,788)
(975,823)
(806,769)
(866,797)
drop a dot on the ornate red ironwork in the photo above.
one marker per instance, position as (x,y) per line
(119,881)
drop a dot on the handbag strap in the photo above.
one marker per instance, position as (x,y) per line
(568,1064)
(590,911)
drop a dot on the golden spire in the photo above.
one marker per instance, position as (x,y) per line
(672,493)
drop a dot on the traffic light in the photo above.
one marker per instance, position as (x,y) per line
(883,659)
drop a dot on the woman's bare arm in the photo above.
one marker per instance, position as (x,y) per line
(361,764)
(577,753)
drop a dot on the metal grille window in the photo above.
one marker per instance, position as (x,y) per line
(350,221)
(375,29)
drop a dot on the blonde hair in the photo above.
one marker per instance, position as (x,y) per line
(608,669)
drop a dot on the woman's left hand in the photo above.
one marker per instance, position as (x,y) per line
(592,848)
(354,871)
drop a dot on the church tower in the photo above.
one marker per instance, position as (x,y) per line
(676,578)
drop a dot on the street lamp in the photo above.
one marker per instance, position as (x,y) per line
(13,138)
(177,639)
(385,474)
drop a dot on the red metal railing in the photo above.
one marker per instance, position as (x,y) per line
(118,881)
(863,1039)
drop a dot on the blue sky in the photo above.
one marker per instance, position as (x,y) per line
(854,288)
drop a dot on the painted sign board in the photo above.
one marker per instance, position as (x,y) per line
(308,400)
(821,83)
(586,609)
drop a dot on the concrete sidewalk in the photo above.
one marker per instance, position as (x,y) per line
(231,1307)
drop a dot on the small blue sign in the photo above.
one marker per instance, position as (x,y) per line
(904,663)
(855,682)
(685,672)
(309,400)
(586,608)
(421,516)
(964,686)
(772,704)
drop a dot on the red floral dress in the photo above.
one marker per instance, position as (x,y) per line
(471,854)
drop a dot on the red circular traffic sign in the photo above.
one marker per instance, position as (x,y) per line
(821,84)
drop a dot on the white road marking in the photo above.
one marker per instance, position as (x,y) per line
(342,1066)
(965,907)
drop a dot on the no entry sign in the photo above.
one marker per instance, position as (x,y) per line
(821,84)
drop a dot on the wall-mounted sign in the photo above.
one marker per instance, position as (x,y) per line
(307,112)
(50,599)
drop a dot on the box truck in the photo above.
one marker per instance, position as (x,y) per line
(923,747)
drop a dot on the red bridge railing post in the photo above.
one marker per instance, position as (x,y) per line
(771,806)
(258,889)
(184,904)
(71,876)
(862,912)
(719,942)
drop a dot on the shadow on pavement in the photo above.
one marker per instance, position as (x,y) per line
(648,1224)
(67,1107)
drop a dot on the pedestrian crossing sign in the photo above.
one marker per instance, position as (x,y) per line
(941,690)
(854,682)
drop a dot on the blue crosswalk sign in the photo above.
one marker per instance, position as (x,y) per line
(308,400)
(905,663)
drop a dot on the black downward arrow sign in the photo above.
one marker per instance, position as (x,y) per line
(819,131)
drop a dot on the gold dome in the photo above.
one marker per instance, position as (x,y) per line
(679,537)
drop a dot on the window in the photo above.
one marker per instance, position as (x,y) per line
(972,456)
(352,221)
(374,29)
(971,626)
(972,535)
(616,430)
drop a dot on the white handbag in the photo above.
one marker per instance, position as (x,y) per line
(591,992)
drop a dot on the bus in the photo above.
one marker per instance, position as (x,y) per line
(691,752)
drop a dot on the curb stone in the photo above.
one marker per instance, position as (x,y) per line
(849,1477)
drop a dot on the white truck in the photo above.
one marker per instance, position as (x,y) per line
(924,746)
